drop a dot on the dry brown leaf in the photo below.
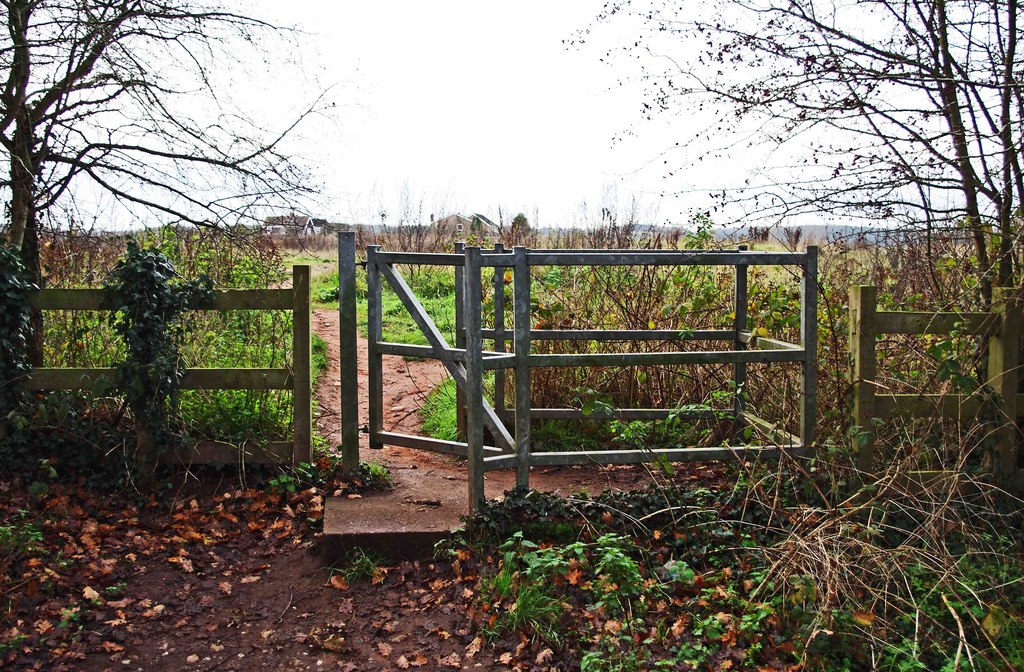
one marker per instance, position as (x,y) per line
(419,660)
(90,594)
(544,656)
(155,611)
(474,647)
(505,658)
(453,660)
(225,587)
(250,579)
(338,581)
(112,647)
(384,648)
(402,663)
(864,617)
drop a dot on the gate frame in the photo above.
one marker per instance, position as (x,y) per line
(467,360)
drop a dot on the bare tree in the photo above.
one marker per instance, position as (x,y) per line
(884,109)
(119,99)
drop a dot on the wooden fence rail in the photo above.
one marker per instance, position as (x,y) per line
(297,378)
(1001,330)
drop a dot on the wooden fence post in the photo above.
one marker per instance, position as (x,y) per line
(474,380)
(1004,376)
(301,360)
(349,352)
(863,302)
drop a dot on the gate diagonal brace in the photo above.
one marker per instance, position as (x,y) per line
(437,341)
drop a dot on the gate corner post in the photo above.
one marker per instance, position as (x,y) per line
(374,334)
(473,295)
(349,355)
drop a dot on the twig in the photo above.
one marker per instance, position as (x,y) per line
(287,606)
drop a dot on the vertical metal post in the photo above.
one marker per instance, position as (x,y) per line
(301,360)
(521,343)
(863,332)
(809,340)
(374,334)
(474,379)
(349,359)
(739,369)
(499,334)
(460,339)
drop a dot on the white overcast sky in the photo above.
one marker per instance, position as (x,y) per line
(468,106)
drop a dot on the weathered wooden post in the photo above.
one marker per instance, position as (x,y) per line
(1004,377)
(863,332)
(374,334)
(349,352)
(474,379)
(460,339)
(521,338)
(739,369)
(809,340)
(301,362)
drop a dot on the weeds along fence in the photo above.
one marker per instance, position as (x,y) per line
(467,360)
(295,378)
(997,404)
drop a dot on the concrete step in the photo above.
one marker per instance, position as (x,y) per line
(400,525)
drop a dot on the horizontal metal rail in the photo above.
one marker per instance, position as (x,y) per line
(665,258)
(597,335)
(656,455)
(629,414)
(666,358)
(426,443)
(491,360)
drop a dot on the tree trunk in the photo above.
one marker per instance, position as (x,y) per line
(954,118)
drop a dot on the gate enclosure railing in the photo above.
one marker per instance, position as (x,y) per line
(295,299)
(467,360)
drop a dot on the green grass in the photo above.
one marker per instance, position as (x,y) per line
(440,418)
(434,287)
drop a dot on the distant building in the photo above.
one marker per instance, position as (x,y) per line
(296,225)
(459,225)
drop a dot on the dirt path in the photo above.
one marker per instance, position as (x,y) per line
(429,477)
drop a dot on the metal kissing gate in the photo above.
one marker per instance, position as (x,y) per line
(467,360)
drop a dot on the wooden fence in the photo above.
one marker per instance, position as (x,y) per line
(999,398)
(297,378)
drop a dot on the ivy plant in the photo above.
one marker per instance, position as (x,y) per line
(15,312)
(149,299)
